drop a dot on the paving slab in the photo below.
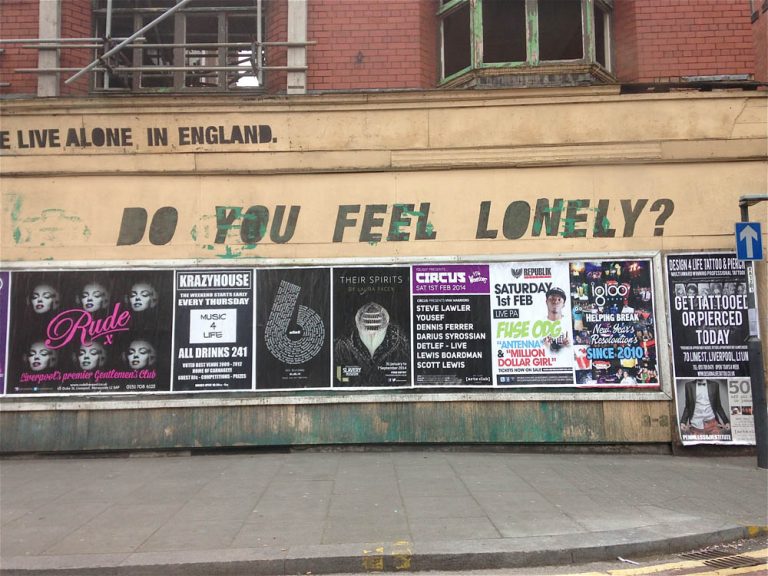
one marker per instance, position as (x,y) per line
(335,512)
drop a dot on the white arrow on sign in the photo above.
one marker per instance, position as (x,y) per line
(749,236)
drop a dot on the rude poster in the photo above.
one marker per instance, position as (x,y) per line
(86,331)
(293,329)
(709,321)
(214,336)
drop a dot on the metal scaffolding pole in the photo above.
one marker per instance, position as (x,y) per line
(122,44)
(108,36)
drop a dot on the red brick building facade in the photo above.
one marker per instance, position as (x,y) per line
(538,149)
(396,44)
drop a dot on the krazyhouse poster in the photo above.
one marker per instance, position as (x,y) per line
(531,324)
(371,326)
(214,330)
(614,334)
(709,321)
(450,329)
(293,330)
(86,331)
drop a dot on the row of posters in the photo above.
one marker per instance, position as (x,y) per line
(552,324)
(709,318)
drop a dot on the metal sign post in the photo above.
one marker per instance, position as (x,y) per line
(745,242)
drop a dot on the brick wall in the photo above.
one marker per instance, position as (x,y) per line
(76,23)
(760,39)
(393,44)
(371,44)
(18,20)
(664,40)
(430,47)
(276,31)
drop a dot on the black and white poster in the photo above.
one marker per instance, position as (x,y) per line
(451,328)
(214,330)
(371,333)
(89,332)
(708,313)
(709,320)
(293,331)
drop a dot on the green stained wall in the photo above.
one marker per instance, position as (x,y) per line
(337,423)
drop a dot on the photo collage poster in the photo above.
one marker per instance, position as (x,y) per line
(549,324)
(613,324)
(709,311)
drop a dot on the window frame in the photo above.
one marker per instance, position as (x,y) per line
(141,15)
(532,41)
(447,8)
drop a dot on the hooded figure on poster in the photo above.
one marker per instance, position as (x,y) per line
(374,342)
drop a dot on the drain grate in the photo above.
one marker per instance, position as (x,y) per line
(733,562)
(722,559)
(706,554)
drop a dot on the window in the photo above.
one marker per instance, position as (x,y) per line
(205,45)
(547,41)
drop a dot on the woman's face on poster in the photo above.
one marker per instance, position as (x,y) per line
(142,297)
(94,297)
(141,354)
(91,355)
(44,299)
(40,357)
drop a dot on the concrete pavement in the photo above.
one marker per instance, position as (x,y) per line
(323,512)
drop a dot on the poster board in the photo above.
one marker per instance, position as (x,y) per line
(557,325)
(709,326)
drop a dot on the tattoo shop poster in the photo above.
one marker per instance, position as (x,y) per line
(531,324)
(90,332)
(293,328)
(371,326)
(214,330)
(5,287)
(613,324)
(451,311)
(709,321)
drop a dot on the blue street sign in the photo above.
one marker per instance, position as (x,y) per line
(749,241)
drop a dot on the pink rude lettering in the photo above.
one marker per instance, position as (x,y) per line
(79,324)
